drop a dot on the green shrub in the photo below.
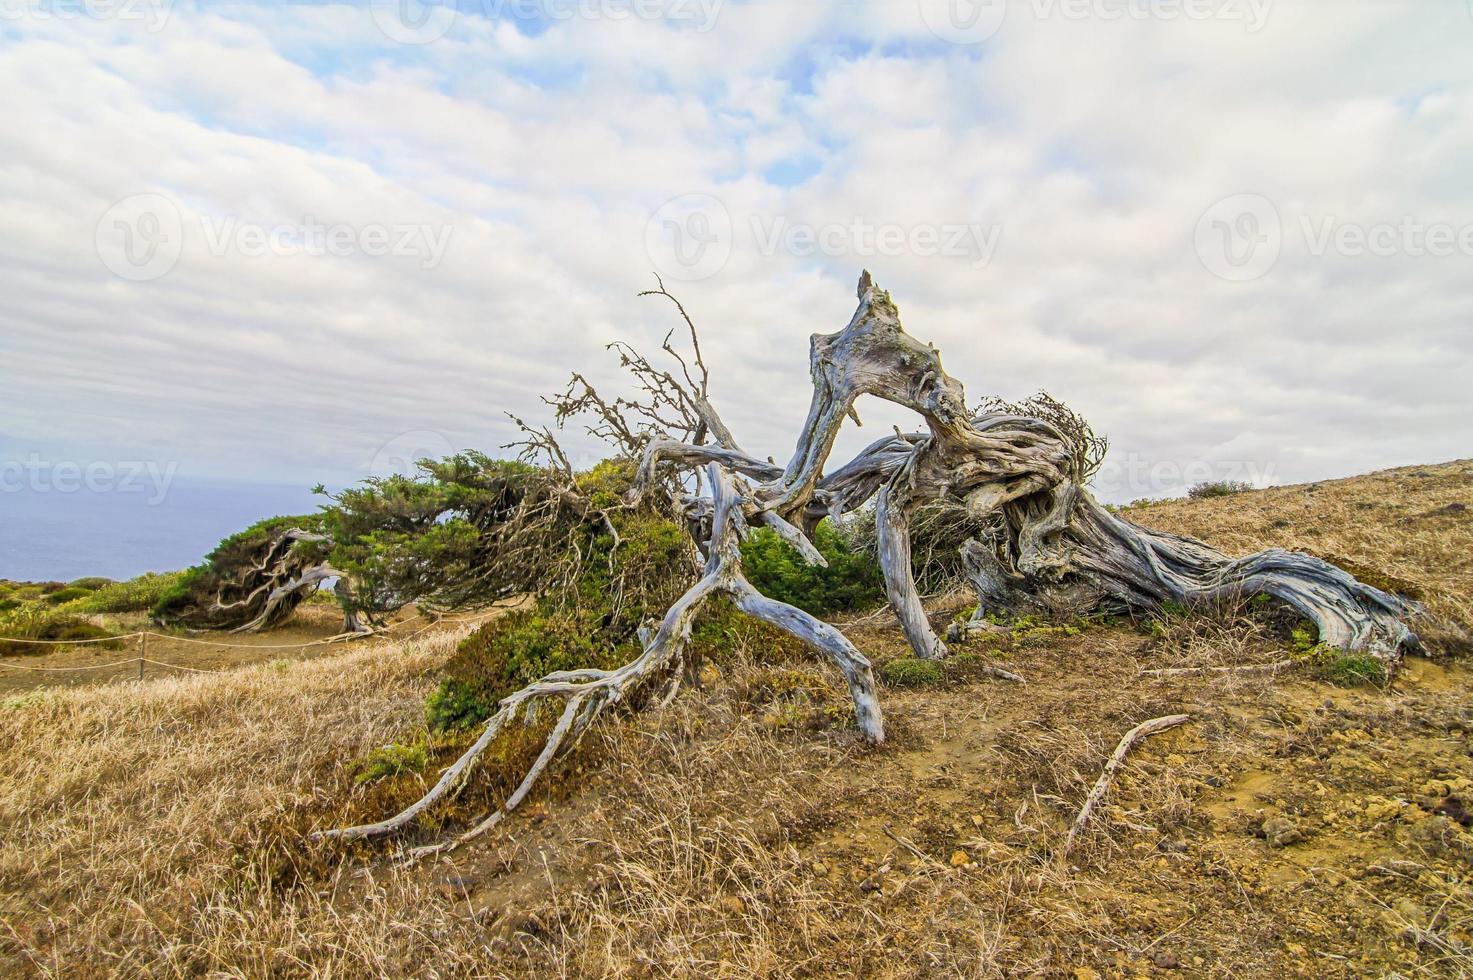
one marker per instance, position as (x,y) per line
(67,595)
(852,582)
(91,583)
(912,672)
(390,760)
(1218,488)
(39,620)
(1353,669)
(1304,638)
(454,705)
(138,594)
(506,655)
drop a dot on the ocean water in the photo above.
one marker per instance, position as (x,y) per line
(47,534)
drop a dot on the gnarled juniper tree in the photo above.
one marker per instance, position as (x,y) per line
(1017,471)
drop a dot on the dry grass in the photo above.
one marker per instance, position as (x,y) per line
(127,813)
(155,829)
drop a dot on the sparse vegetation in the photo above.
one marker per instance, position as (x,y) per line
(912,672)
(1218,488)
(748,824)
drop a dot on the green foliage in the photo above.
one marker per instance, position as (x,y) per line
(187,597)
(912,672)
(1353,669)
(135,595)
(1218,488)
(1304,638)
(506,655)
(853,581)
(390,760)
(37,619)
(430,536)
(91,583)
(455,705)
(67,595)
(1343,667)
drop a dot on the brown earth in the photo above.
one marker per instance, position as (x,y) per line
(1292,827)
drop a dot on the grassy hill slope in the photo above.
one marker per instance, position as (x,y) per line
(1293,827)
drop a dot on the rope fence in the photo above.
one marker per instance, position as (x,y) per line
(142,636)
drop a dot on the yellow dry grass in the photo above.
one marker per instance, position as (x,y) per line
(150,829)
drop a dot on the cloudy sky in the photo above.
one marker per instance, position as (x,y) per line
(302,242)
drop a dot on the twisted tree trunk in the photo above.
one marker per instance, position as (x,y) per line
(1051,544)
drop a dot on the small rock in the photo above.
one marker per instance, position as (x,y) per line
(1281,832)
(733,904)
(1434,834)
(819,868)
(457,886)
(1166,960)
(960,858)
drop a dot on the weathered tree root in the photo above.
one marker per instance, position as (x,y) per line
(1102,785)
(587,694)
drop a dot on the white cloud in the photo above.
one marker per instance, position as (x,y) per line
(1091,148)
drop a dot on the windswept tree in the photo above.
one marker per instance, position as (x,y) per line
(1016,473)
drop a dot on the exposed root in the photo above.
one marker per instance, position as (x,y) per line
(1102,785)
